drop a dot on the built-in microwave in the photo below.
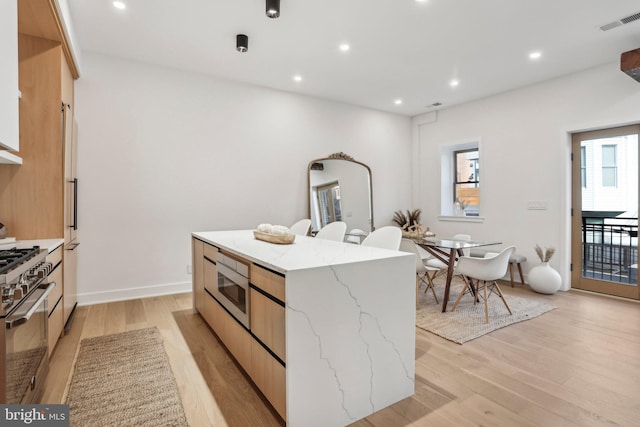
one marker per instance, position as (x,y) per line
(232,290)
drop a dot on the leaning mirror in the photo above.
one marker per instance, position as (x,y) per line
(340,190)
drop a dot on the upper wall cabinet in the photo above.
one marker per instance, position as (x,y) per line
(9,76)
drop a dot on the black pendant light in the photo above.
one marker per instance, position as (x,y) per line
(242,43)
(273,8)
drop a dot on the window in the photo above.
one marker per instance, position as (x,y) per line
(329,203)
(583,166)
(609,166)
(466,187)
(460,178)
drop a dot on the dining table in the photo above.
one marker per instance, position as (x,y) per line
(448,250)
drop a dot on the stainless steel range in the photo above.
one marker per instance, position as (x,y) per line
(24,363)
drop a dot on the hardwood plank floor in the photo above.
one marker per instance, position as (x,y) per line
(578,365)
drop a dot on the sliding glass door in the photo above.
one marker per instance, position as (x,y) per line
(605,211)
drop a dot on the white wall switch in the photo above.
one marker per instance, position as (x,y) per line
(536,206)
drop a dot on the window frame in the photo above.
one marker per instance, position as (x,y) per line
(447,179)
(583,165)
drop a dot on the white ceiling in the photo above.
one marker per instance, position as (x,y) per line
(400,49)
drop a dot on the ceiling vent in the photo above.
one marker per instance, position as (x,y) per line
(630,64)
(622,21)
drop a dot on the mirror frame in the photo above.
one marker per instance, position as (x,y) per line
(345,157)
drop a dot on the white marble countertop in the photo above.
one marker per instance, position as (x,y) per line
(50,244)
(304,253)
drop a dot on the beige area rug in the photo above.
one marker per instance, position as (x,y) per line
(468,321)
(124,380)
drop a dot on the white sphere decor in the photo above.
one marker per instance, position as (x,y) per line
(544,279)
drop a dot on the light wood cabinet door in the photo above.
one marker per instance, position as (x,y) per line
(70,290)
(210,252)
(208,312)
(55,307)
(219,319)
(270,282)
(268,322)
(197,278)
(210,276)
(270,377)
(238,341)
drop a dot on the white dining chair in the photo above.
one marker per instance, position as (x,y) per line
(388,237)
(484,270)
(333,231)
(423,273)
(301,227)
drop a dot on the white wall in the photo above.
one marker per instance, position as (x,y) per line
(163,153)
(525,156)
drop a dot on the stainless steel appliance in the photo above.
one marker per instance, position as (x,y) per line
(232,290)
(24,360)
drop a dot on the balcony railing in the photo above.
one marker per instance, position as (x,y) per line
(610,249)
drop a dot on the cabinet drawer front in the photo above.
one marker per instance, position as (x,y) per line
(197,278)
(238,341)
(209,307)
(268,323)
(56,324)
(210,251)
(56,292)
(270,377)
(210,276)
(55,257)
(270,282)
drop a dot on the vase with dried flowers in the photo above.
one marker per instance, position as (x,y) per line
(543,278)
(462,204)
(410,224)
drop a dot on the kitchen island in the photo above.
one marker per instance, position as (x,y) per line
(331,335)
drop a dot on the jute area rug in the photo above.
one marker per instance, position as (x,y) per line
(468,321)
(124,380)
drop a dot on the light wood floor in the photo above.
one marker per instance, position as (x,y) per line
(578,365)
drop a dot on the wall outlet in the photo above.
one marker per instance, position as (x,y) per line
(188,268)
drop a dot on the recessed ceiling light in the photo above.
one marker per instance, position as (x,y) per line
(273,8)
(297,78)
(454,83)
(119,5)
(344,47)
(421,1)
(535,55)
(242,42)
(398,101)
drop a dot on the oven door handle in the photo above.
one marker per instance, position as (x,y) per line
(10,323)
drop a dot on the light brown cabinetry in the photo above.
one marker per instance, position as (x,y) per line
(197,262)
(238,341)
(270,377)
(268,327)
(54,302)
(34,196)
(267,310)
(267,314)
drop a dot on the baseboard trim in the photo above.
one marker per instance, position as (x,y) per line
(133,293)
